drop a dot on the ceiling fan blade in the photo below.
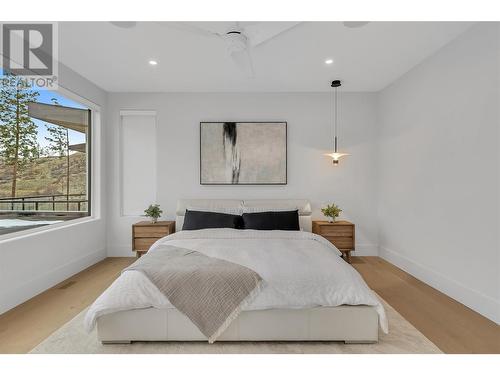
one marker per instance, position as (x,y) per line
(243,61)
(261,32)
(190,27)
(355,24)
(124,24)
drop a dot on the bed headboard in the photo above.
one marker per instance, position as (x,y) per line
(237,207)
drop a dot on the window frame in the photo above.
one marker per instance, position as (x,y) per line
(93,172)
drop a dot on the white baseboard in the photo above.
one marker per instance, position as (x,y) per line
(477,301)
(36,286)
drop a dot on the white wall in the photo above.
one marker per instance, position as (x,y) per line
(32,263)
(438,201)
(310,174)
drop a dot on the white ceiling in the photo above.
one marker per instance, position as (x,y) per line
(366,59)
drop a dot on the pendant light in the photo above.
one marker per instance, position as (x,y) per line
(335,155)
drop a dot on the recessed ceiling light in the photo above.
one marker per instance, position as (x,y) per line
(328,61)
(153,62)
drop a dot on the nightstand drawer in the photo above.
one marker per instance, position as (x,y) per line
(152,231)
(144,243)
(341,242)
(338,231)
(144,234)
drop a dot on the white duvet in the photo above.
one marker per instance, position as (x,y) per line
(300,270)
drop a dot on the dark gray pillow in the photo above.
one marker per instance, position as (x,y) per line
(202,220)
(272,220)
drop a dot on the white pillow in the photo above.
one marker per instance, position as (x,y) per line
(250,210)
(221,210)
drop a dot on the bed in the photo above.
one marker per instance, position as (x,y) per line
(310,293)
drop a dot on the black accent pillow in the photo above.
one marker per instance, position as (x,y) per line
(202,220)
(272,220)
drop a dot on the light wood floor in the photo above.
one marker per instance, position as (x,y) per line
(453,327)
(25,326)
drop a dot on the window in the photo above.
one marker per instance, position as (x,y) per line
(44,157)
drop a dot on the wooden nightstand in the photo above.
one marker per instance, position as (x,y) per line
(340,233)
(145,233)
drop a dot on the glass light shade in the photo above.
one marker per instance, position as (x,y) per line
(336,156)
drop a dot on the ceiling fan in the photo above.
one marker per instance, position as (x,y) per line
(239,37)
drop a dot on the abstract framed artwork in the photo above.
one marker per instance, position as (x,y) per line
(243,153)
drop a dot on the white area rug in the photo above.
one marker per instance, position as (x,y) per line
(402,338)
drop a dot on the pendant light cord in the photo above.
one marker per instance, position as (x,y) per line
(335,145)
(335,115)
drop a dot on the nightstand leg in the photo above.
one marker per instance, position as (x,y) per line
(348,256)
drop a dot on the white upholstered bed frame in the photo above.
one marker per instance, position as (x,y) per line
(351,324)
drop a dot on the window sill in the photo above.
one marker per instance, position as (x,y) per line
(47,228)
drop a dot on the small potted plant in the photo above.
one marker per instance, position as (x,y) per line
(154,212)
(331,212)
